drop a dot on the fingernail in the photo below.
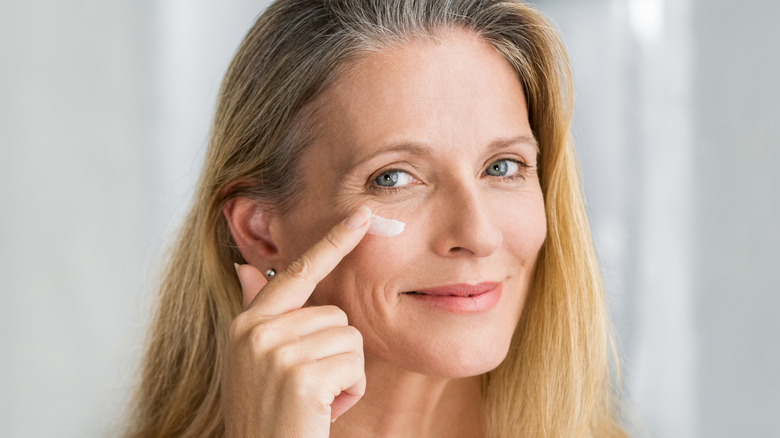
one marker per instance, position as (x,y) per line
(236,266)
(358,218)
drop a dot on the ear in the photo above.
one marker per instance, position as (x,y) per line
(250,226)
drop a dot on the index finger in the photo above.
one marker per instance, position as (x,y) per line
(291,287)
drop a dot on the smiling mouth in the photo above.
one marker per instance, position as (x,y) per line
(459,299)
(461,290)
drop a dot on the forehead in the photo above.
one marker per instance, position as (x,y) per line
(451,91)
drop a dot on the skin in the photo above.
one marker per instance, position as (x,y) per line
(436,114)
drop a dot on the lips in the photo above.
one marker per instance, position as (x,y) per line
(457,290)
(459,298)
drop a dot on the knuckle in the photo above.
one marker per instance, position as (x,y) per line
(305,381)
(282,357)
(353,363)
(300,376)
(236,329)
(355,334)
(332,240)
(300,269)
(336,313)
(260,338)
(360,391)
(356,360)
(240,325)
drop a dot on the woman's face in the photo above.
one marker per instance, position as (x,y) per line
(434,134)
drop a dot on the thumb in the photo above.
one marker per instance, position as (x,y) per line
(252,281)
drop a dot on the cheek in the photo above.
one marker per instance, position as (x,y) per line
(371,273)
(365,275)
(525,228)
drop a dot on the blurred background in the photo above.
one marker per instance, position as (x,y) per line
(104,114)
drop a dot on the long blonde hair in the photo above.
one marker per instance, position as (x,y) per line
(555,380)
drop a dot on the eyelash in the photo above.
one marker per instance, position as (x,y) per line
(522,170)
(520,175)
(372,186)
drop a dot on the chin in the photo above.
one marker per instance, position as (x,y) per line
(459,367)
(454,362)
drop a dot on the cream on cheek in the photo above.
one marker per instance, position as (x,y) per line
(385,227)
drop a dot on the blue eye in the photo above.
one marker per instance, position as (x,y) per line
(503,168)
(393,178)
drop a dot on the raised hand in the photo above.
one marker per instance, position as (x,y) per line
(291,369)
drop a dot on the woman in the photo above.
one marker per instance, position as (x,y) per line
(483,317)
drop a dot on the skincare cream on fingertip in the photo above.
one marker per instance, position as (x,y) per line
(385,227)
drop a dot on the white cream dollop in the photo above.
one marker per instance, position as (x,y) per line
(385,227)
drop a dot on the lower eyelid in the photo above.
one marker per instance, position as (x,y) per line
(390,191)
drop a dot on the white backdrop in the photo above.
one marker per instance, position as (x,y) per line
(104,112)
(105,109)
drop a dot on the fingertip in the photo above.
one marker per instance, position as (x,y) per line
(359,218)
(252,280)
(239,268)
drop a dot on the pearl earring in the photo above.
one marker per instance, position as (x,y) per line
(270,273)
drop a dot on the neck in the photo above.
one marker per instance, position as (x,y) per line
(403,403)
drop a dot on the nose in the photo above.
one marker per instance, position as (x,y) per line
(466,224)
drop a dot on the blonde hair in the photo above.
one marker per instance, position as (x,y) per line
(555,380)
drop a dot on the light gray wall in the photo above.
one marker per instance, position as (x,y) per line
(76,224)
(737,204)
(104,111)
(675,126)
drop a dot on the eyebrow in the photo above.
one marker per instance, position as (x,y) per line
(413,148)
(527,139)
(420,149)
